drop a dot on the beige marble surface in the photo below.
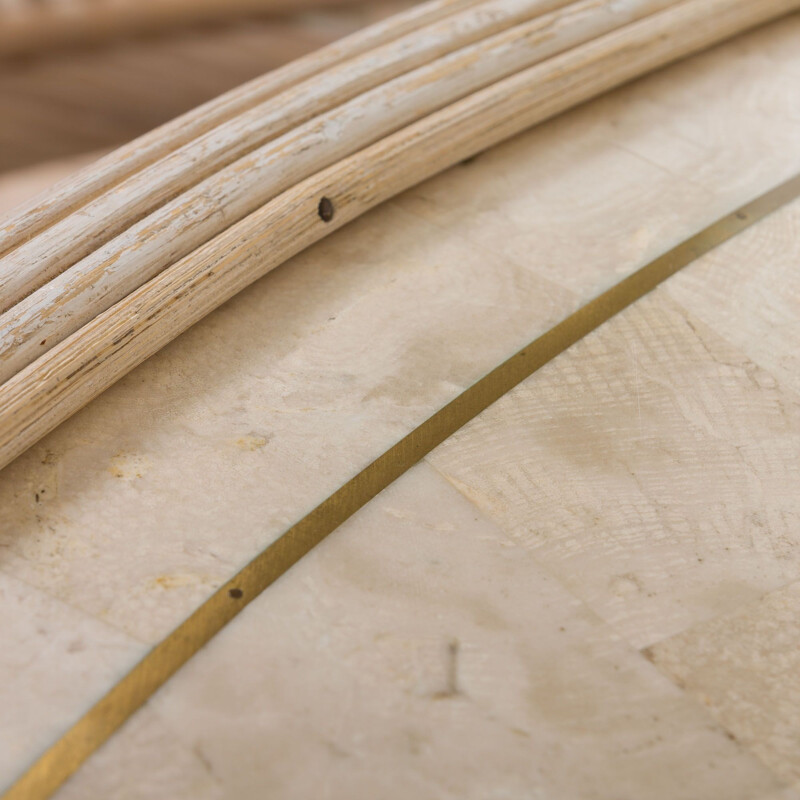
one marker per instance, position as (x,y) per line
(435,644)
(135,510)
(300,405)
(760,285)
(654,470)
(745,668)
(52,658)
(420,652)
(586,197)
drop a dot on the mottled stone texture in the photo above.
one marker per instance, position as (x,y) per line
(589,592)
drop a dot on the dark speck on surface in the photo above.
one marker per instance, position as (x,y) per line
(326,209)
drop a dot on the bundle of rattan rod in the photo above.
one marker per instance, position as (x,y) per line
(112,265)
(63,101)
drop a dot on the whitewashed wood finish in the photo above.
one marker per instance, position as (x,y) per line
(33,263)
(42,212)
(21,185)
(654,472)
(41,395)
(73,101)
(91,286)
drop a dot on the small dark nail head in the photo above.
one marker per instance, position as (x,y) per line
(326,209)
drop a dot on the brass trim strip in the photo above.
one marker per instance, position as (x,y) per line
(64,757)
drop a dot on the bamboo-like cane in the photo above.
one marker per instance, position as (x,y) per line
(35,262)
(42,212)
(28,26)
(111,272)
(60,103)
(72,373)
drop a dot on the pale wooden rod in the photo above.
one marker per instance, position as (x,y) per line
(48,391)
(36,261)
(30,26)
(43,211)
(73,102)
(175,229)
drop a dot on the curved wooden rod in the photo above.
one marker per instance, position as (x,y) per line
(28,26)
(50,389)
(38,260)
(175,229)
(42,212)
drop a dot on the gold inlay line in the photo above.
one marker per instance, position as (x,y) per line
(92,730)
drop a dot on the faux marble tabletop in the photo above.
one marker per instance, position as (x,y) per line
(590,591)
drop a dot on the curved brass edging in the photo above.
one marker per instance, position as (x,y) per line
(103,719)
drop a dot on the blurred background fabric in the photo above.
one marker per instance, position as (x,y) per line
(66,97)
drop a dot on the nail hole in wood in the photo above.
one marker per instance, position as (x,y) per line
(326,210)
(235,593)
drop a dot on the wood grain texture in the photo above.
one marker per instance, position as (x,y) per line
(295,150)
(350,106)
(19,186)
(61,103)
(700,442)
(368,177)
(42,212)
